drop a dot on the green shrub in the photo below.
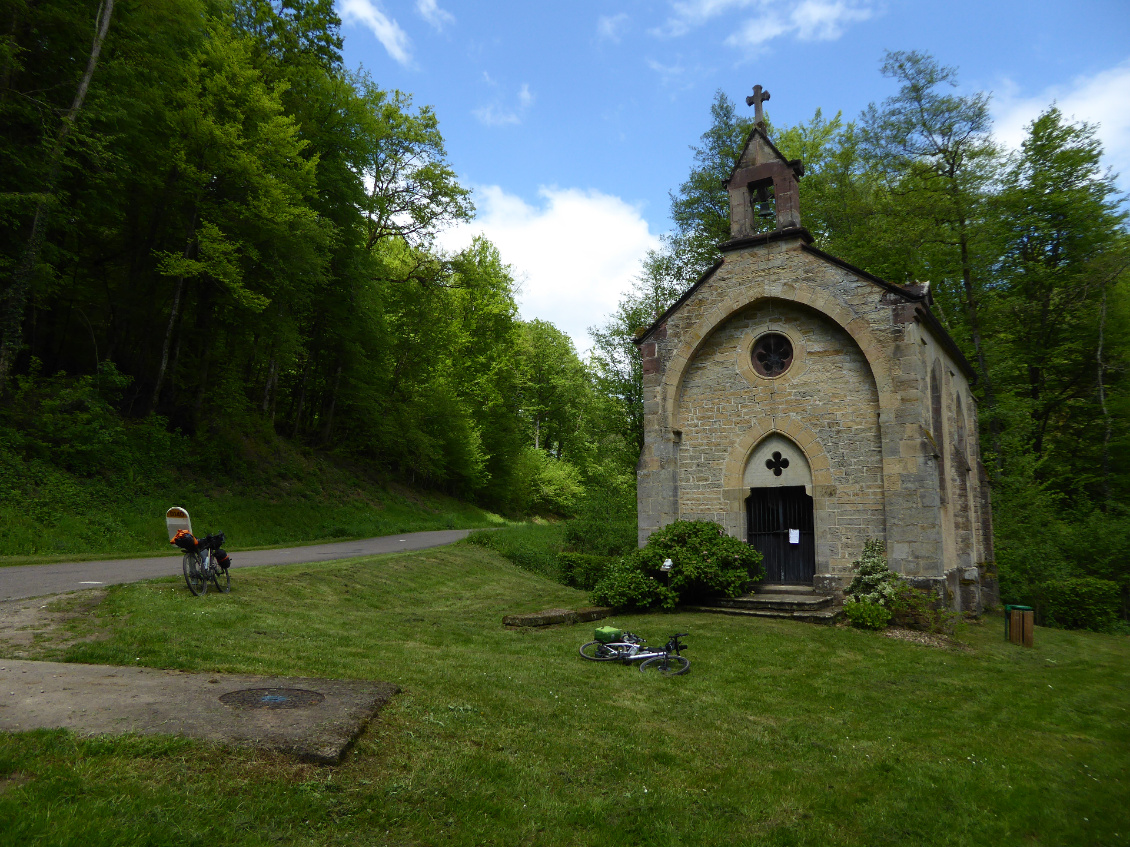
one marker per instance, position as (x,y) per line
(583,570)
(1079,603)
(867,615)
(914,609)
(873,582)
(705,562)
(625,586)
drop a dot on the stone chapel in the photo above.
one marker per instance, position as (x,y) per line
(807,406)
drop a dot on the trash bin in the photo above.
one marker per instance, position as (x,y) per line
(1019,623)
(177,519)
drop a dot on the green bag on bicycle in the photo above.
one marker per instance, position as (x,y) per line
(608,634)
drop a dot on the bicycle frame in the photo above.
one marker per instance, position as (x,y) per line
(634,651)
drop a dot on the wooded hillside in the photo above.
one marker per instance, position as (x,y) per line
(210,224)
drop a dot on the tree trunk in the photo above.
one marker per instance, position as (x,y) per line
(202,388)
(1100,367)
(327,430)
(170,394)
(272,376)
(16,304)
(190,243)
(156,396)
(973,315)
(301,400)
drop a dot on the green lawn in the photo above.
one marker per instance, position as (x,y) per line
(782,733)
(135,526)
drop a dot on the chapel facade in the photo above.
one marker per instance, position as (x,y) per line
(808,406)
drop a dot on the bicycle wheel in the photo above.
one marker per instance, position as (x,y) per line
(598,651)
(221,578)
(197,584)
(667,665)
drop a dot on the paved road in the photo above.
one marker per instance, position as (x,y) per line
(37,580)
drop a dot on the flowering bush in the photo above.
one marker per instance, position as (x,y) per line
(877,595)
(873,582)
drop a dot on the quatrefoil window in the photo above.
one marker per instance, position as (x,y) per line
(772,354)
(777,464)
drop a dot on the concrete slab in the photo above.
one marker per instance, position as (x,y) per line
(314,719)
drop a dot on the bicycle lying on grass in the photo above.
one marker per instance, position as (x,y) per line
(613,644)
(203,561)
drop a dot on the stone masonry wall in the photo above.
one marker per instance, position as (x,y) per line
(829,385)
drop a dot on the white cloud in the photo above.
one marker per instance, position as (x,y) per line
(758,31)
(688,14)
(818,20)
(808,20)
(610,27)
(674,76)
(496,114)
(1100,99)
(576,252)
(433,14)
(388,32)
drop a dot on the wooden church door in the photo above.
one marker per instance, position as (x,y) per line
(781,528)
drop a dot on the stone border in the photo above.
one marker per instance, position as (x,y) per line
(553,617)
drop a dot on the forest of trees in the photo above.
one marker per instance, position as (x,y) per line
(209,222)
(209,225)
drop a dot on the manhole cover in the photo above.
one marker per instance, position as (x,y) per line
(272,698)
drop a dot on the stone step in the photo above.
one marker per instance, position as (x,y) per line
(818,616)
(776,602)
(783,588)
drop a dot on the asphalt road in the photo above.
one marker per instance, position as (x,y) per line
(36,580)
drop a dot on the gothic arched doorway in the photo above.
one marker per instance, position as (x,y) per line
(779,513)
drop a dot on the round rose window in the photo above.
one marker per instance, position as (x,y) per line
(772,354)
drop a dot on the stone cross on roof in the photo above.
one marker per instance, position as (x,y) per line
(756,99)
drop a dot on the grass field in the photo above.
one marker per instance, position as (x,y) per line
(135,526)
(781,734)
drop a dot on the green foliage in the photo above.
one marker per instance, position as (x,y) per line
(606,521)
(874,589)
(533,547)
(71,423)
(873,582)
(624,585)
(249,239)
(1079,603)
(705,562)
(867,615)
(583,570)
(878,596)
(918,610)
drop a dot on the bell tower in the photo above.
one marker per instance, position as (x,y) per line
(764,194)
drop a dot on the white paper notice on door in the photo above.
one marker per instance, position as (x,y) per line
(794,536)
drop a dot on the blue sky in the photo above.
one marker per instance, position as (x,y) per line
(572,122)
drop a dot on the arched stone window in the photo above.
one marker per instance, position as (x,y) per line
(937,426)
